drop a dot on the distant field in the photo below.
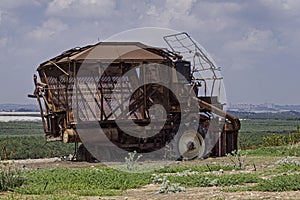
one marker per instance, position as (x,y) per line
(21,128)
(253,131)
(19,116)
(20,140)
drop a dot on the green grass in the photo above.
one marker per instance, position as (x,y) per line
(274,184)
(104,181)
(40,197)
(100,181)
(61,183)
(21,129)
(279,183)
(19,140)
(24,147)
(22,140)
(201,180)
(10,178)
(290,150)
(199,168)
(284,177)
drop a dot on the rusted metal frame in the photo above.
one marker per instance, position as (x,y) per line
(177,39)
(49,93)
(47,107)
(203,70)
(50,107)
(95,99)
(63,71)
(46,102)
(212,87)
(139,103)
(37,94)
(100,106)
(82,96)
(84,110)
(102,114)
(112,82)
(203,56)
(200,63)
(234,120)
(164,53)
(76,89)
(58,91)
(145,92)
(114,110)
(121,82)
(205,84)
(67,95)
(65,101)
(199,55)
(194,66)
(103,95)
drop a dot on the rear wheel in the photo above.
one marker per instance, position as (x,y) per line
(189,145)
(83,154)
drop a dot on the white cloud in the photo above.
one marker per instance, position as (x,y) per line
(80,8)
(1,16)
(210,9)
(204,17)
(152,11)
(289,7)
(13,4)
(179,8)
(170,12)
(48,29)
(256,40)
(245,35)
(3,42)
(251,50)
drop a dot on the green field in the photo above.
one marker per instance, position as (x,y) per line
(253,131)
(21,140)
(282,174)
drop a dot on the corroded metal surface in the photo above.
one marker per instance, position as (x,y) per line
(64,96)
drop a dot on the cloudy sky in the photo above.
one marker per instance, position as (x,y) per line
(256,43)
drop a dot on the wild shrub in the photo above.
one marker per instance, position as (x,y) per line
(281,140)
(166,186)
(275,140)
(131,160)
(10,178)
(237,159)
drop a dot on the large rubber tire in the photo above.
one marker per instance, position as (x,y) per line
(188,145)
(84,155)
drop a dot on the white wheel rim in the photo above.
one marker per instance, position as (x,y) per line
(191,145)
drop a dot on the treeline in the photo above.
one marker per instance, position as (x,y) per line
(287,115)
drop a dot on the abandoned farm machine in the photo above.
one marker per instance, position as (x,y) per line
(135,97)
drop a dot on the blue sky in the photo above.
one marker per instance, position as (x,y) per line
(256,43)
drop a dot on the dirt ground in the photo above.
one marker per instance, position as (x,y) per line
(149,192)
